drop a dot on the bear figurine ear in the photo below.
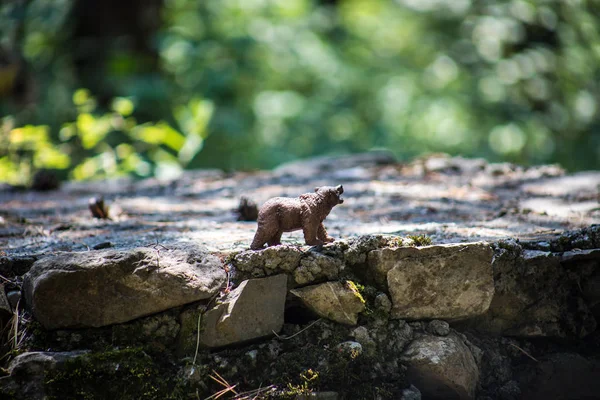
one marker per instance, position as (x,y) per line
(317,189)
(339,189)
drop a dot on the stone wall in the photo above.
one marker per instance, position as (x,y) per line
(503,304)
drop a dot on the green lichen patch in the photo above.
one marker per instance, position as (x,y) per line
(420,240)
(115,374)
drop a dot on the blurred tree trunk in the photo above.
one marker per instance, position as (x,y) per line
(114,38)
(16,81)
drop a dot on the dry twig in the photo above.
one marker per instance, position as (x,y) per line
(295,334)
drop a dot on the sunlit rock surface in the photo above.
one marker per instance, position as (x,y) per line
(339,302)
(448,281)
(449,199)
(98,288)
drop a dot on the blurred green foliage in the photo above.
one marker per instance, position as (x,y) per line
(243,84)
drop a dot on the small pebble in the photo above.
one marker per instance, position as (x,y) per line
(383,303)
(351,348)
(13,297)
(103,245)
(438,327)
(411,393)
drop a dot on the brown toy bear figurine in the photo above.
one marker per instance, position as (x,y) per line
(287,214)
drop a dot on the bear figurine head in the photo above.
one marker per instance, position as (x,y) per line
(332,195)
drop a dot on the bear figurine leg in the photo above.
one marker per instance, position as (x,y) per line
(276,239)
(264,234)
(310,235)
(257,243)
(322,234)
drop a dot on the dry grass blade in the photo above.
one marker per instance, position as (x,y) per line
(16,336)
(253,394)
(221,381)
(198,337)
(222,392)
(15,326)
(524,352)
(12,337)
(200,324)
(295,334)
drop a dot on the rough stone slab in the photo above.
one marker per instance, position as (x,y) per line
(536,296)
(536,255)
(304,266)
(268,261)
(316,266)
(254,309)
(332,300)
(580,255)
(98,288)
(436,282)
(37,362)
(28,372)
(441,367)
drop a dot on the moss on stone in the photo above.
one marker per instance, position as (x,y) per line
(114,374)
(420,240)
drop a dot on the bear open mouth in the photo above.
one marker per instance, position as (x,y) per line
(339,189)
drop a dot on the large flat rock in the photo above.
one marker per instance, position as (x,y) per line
(339,302)
(537,295)
(449,199)
(442,367)
(252,310)
(436,282)
(98,288)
